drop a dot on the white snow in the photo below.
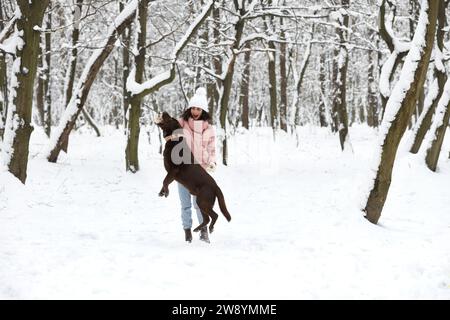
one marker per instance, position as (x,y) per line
(438,59)
(85,229)
(336,16)
(12,120)
(136,88)
(386,70)
(14,42)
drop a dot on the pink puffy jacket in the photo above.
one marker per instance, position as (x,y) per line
(200,137)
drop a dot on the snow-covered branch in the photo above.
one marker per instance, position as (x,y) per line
(10,37)
(149,86)
(387,33)
(9,28)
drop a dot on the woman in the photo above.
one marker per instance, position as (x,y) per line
(200,137)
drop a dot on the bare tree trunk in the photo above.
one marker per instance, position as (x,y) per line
(245,82)
(18,123)
(270,29)
(126,38)
(3,84)
(340,102)
(435,137)
(117,103)
(47,78)
(131,151)
(91,122)
(322,117)
(372,103)
(3,93)
(70,76)
(335,96)
(40,91)
(442,115)
(227,83)
(283,80)
(414,9)
(202,58)
(434,95)
(395,124)
(217,64)
(272,86)
(299,81)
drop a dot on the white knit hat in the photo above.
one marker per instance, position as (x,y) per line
(199,99)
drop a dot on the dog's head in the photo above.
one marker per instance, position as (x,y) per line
(167,124)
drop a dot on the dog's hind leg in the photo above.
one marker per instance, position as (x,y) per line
(214,217)
(203,210)
(204,222)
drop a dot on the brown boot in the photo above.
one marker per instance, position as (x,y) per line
(188,235)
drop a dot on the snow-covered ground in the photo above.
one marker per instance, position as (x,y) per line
(84,228)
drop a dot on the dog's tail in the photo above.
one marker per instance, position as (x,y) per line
(222,205)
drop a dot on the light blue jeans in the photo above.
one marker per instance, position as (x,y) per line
(186,213)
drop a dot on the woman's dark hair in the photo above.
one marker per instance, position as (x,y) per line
(187,114)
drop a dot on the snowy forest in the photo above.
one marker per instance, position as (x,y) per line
(330,121)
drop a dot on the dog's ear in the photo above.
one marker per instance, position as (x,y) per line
(165,116)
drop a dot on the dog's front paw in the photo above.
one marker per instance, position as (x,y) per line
(164,192)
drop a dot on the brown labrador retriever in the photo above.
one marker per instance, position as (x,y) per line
(181,167)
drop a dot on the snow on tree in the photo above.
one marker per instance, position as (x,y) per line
(400,107)
(24,43)
(84,84)
(437,87)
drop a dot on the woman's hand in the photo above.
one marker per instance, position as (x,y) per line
(211,167)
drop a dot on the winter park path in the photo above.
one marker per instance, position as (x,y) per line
(84,228)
